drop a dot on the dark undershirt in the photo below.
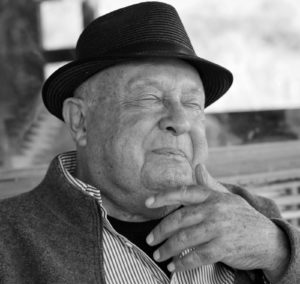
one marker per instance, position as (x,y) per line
(136,232)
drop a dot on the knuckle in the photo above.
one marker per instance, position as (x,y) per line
(206,256)
(183,192)
(168,224)
(188,261)
(176,218)
(209,226)
(158,232)
(161,231)
(220,207)
(181,238)
(215,226)
(188,214)
(182,214)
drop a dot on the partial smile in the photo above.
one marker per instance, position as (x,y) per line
(170,152)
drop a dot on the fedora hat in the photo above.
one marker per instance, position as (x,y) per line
(140,31)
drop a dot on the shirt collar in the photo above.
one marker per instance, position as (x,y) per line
(68,163)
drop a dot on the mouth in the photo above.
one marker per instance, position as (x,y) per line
(171,152)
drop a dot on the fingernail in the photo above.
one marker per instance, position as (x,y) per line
(150,239)
(171,267)
(149,201)
(156,255)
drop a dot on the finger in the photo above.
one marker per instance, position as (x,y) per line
(184,239)
(179,219)
(185,196)
(202,255)
(204,178)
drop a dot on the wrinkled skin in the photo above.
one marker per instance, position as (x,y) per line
(145,134)
(142,137)
(219,227)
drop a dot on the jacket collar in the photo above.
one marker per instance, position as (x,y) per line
(64,199)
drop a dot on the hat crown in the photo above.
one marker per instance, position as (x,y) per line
(137,32)
(136,28)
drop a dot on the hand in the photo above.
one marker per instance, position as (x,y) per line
(217,226)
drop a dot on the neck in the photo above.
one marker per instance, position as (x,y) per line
(118,202)
(116,211)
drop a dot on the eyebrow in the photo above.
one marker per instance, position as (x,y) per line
(190,92)
(193,91)
(134,82)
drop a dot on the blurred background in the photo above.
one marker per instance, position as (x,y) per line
(253,131)
(258,40)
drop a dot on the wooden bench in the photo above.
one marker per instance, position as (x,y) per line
(281,186)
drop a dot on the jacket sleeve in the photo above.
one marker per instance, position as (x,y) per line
(268,208)
(292,274)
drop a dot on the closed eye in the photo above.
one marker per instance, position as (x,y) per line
(196,106)
(151,98)
(142,101)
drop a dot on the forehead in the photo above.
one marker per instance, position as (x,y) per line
(163,74)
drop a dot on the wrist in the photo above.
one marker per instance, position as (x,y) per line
(280,257)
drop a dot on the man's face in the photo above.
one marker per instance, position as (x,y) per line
(146,133)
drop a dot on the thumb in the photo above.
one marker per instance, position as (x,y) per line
(204,178)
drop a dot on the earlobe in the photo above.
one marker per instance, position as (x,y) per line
(74,113)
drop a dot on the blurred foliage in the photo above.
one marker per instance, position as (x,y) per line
(21,69)
(258,40)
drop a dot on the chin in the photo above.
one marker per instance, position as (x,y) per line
(159,179)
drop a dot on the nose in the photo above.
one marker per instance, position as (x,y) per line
(176,121)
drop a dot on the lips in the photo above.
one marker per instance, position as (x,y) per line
(169,152)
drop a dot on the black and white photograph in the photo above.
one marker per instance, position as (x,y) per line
(149,142)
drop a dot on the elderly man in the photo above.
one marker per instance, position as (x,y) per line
(134,203)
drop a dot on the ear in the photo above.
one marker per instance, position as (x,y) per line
(74,113)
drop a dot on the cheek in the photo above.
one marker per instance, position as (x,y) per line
(102,128)
(124,153)
(126,142)
(199,142)
(136,128)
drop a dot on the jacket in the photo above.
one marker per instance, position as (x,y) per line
(53,234)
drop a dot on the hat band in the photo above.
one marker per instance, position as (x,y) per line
(151,48)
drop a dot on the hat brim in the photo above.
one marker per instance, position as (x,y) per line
(63,82)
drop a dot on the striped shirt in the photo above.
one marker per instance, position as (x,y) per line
(125,263)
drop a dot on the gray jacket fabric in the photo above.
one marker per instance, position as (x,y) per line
(53,234)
